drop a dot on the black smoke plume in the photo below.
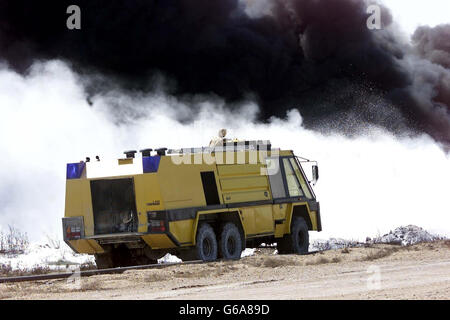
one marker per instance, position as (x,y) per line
(317,56)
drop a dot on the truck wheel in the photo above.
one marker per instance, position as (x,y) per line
(206,247)
(230,243)
(297,241)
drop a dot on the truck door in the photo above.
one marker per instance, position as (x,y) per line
(114,206)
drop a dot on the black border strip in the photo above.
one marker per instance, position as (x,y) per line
(191,212)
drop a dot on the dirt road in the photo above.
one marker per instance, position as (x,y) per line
(379,272)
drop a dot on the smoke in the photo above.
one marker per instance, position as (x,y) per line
(432,44)
(369,184)
(372,108)
(314,56)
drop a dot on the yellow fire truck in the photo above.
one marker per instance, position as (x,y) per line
(197,203)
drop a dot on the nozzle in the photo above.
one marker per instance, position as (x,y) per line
(146,152)
(161,151)
(130,154)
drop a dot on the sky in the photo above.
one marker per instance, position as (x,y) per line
(410,14)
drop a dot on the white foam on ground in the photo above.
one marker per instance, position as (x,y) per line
(248,252)
(44,255)
(403,235)
(169,258)
(406,235)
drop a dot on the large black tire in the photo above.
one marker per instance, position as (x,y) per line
(206,246)
(297,241)
(230,242)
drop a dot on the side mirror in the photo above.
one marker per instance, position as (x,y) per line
(315,174)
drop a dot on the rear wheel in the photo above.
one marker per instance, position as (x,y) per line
(230,243)
(206,247)
(297,241)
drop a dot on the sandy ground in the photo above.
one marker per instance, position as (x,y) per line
(379,272)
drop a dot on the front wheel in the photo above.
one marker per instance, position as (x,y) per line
(297,241)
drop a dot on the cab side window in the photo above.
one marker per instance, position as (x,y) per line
(291,180)
(301,178)
(275,178)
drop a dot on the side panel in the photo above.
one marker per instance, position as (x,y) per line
(257,220)
(279,216)
(79,203)
(313,217)
(239,169)
(264,219)
(248,221)
(158,241)
(181,230)
(86,246)
(245,196)
(181,185)
(148,197)
(243,183)
(279,211)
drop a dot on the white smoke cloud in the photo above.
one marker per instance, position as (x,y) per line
(368,185)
